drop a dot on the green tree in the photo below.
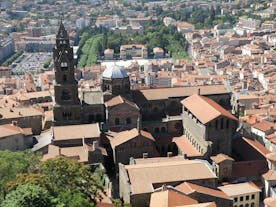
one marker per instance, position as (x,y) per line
(31,178)
(12,163)
(28,195)
(73,200)
(64,174)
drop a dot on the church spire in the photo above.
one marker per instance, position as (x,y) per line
(67,108)
(62,33)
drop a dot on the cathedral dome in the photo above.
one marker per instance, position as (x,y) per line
(115,72)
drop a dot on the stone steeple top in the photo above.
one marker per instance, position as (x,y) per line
(62,33)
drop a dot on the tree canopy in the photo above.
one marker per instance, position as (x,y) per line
(61,182)
(13,163)
(28,195)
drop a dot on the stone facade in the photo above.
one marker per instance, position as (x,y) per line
(14,142)
(31,120)
(130,175)
(209,138)
(122,116)
(130,51)
(116,86)
(137,147)
(67,108)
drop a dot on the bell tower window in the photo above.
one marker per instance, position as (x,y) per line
(65,95)
(64,66)
(67,115)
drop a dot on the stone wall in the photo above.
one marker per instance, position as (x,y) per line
(12,143)
(134,148)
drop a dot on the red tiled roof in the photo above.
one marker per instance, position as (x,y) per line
(270,202)
(257,146)
(264,125)
(221,157)
(205,109)
(270,175)
(170,198)
(189,188)
(186,147)
(119,100)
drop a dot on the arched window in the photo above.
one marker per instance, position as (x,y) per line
(67,115)
(128,120)
(64,78)
(65,95)
(63,64)
(117,121)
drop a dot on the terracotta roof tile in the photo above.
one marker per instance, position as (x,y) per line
(265,125)
(271,156)
(76,131)
(165,93)
(170,197)
(166,172)
(10,129)
(220,158)
(257,146)
(186,147)
(239,189)
(209,204)
(270,175)
(270,202)
(127,135)
(119,100)
(205,109)
(189,188)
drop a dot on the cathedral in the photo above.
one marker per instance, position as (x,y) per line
(117,107)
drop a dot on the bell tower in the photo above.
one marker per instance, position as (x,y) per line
(67,108)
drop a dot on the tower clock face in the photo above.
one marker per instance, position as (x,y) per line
(65,95)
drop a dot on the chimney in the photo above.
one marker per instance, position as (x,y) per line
(198,91)
(95,145)
(169,154)
(145,155)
